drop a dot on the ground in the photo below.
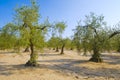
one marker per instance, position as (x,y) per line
(53,66)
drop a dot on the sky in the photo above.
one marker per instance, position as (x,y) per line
(70,11)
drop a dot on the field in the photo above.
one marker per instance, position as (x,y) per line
(70,66)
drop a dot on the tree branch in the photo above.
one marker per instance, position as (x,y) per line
(113,34)
(43,27)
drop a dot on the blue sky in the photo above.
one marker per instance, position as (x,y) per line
(70,11)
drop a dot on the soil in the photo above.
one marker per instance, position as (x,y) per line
(53,66)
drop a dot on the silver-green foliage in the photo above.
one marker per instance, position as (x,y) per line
(27,20)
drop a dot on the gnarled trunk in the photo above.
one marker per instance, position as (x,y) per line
(62,49)
(96,55)
(33,56)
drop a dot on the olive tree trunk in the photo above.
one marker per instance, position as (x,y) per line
(62,49)
(33,56)
(71,48)
(96,57)
(26,49)
(57,49)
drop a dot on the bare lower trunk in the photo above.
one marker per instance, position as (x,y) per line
(71,48)
(62,49)
(96,55)
(26,49)
(57,49)
(78,47)
(53,48)
(33,58)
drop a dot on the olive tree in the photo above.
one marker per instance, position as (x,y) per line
(115,37)
(53,42)
(30,32)
(93,36)
(60,27)
(98,37)
(57,30)
(69,44)
(82,38)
